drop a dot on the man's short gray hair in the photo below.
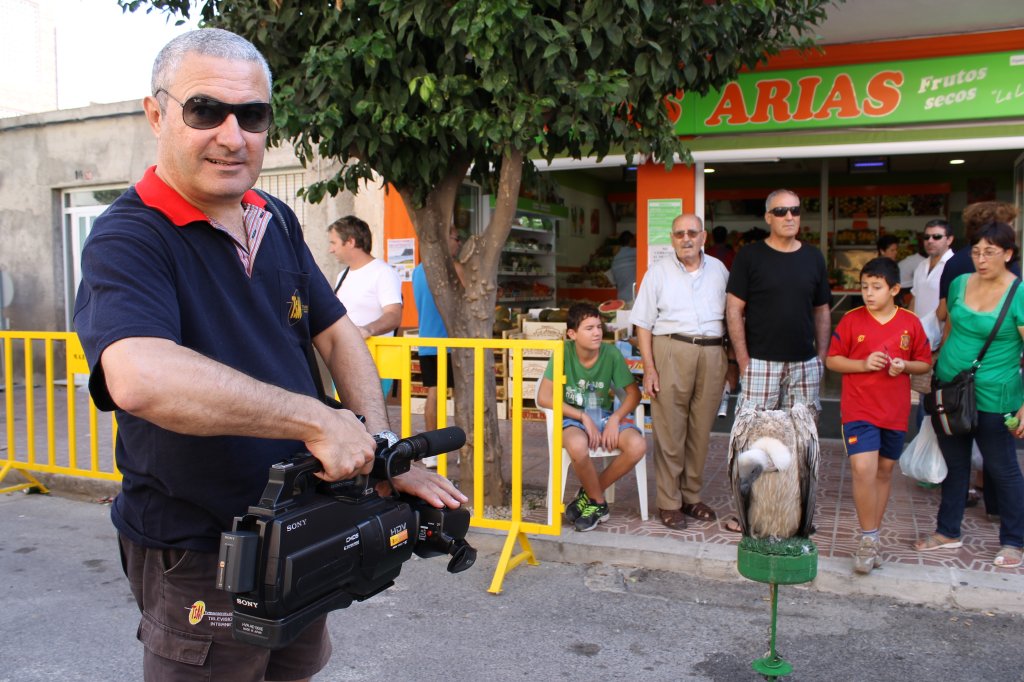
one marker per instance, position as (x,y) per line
(768,201)
(696,218)
(210,42)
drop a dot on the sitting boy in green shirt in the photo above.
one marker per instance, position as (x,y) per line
(592,368)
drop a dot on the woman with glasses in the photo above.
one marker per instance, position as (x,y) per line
(974,304)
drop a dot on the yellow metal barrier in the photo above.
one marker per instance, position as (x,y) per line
(61,446)
(393,356)
(394,361)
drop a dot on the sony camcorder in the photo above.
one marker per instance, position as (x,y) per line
(310,547)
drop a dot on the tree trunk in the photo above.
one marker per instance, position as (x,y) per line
(468,311)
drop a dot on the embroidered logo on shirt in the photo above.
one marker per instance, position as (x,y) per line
(905,341)
(860,338)
(296,309)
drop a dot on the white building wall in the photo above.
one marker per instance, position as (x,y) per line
(105,145)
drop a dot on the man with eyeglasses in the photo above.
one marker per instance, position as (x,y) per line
(198,308)
(938,237)
(778,313)
(679,316)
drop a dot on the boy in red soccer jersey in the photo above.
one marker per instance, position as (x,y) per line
(876,347)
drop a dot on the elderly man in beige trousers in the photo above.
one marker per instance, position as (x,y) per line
(679,317)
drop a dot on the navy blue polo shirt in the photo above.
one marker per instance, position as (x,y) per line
(153,266)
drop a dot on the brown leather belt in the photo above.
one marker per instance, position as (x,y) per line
(700,340)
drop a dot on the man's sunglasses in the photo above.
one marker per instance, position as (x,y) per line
(781,211)
(205,113)
(936,237)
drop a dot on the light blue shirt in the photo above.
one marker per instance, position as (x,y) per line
(624,272)
(431,323)
(672,300)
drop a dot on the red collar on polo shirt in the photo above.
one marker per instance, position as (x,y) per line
(158,195)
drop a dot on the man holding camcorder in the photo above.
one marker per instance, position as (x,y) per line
(198,311)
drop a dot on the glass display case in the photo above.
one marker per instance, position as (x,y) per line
(526,273)
(858,216)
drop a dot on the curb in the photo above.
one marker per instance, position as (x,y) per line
(74,486)
(932,586)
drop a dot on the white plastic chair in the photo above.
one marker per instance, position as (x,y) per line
(640,469)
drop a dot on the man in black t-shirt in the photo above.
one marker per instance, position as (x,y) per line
(777,312)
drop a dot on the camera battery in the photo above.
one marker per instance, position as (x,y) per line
(236,565)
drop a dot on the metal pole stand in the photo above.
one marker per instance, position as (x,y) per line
(783,562)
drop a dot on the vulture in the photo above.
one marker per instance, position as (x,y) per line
(773,468)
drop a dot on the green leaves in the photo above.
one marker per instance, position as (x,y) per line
(406,88)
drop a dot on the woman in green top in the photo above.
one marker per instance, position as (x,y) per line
(974,302)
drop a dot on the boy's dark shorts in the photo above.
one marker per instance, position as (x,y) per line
(186,623)
(862,436)
(428,370)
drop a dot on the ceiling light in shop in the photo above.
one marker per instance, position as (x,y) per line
(708,169)
(955,162)
(869,164)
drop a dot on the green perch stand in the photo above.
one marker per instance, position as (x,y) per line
(783,562)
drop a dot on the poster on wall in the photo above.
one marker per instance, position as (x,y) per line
(660,214)
(402,257)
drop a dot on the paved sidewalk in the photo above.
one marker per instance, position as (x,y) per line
(964,578)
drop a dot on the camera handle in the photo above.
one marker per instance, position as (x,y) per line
(293,478)
(289,480)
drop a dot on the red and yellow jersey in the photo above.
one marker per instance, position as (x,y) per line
(876,397)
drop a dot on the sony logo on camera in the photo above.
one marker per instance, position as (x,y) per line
(297,524)
(247,602)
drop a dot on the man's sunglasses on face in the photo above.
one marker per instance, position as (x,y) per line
(205,113)
(936,237)
(781,211)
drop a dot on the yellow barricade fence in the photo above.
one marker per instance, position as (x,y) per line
(55,450)
(30,450)
(393,356)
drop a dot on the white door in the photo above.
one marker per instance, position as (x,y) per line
(81,208)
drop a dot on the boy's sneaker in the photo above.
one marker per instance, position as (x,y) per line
(866,557)
(592,514)
(574,509)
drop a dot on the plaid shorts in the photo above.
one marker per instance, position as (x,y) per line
(775,385)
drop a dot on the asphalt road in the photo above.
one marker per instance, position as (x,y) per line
(68,615)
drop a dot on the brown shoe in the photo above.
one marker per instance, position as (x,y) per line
(672,518)
(699,511)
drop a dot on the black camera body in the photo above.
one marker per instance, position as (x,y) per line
(310,547)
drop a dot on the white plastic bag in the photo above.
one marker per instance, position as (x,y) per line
(921,459)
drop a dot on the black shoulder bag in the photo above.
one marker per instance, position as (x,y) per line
(951,404)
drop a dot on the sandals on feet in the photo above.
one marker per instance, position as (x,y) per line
(1008,557)
(973,498)
(936,541)
(672,518)
(732,524)
(699,511)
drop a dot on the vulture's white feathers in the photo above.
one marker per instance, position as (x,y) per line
(773,467)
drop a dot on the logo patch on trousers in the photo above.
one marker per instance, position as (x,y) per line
(196,612)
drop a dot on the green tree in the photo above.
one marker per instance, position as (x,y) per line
(424,92)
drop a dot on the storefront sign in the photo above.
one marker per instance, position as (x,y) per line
(962,88)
